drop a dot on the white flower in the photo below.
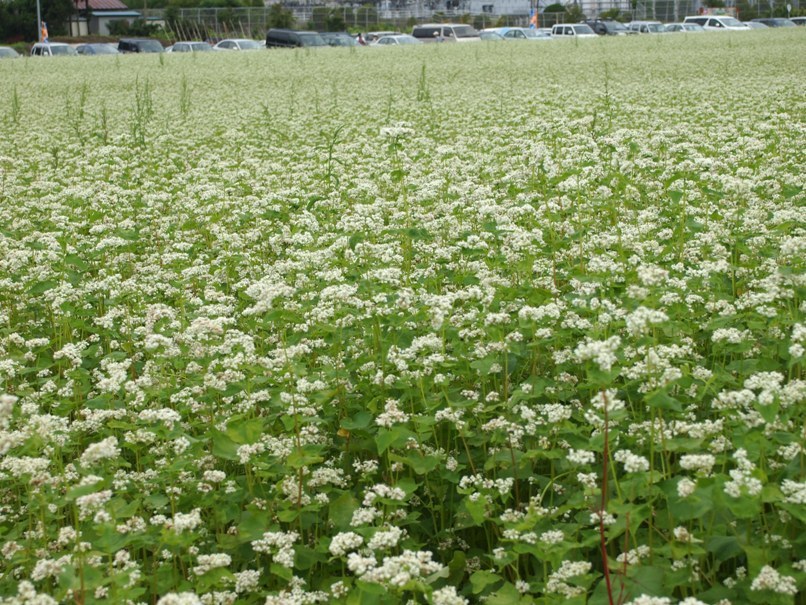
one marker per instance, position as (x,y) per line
(344,542)
(108,448)
(769,579)
(447,596)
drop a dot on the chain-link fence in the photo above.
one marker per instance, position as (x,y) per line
(193,23)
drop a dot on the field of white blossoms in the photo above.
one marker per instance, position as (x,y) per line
(491,323)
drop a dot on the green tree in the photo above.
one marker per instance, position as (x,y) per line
(18,18)
(280,17)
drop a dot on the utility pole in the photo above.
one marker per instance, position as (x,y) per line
(38,23)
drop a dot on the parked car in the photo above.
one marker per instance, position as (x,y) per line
(6,52)
(97,49)
(646,27)
(523,33)
(445,32)
(775,22)
(800,21)
(289,38)
(755,25)
(606,27)
(238,44)
(572,30)
(189,47)
(338,39)
(686,28)
(717,23)
(52,49)
(139,45)
(396,40)
(491,35)
(371,37)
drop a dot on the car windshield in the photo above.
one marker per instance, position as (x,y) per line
(465,31)
(615,26)
(149,46)
(582,29)
(249,44)
(407,40)
(62,50)
(655,27)
(731,22)
(533,33)
(100,49)
(311,40)
(201,46)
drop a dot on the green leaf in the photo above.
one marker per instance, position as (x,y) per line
(281,572)
(675,196)
(723,548)
(481,579)
(662,400)
(506,595)
(341,510)
(359,421)
(223,446)
(42,287)
(397,435)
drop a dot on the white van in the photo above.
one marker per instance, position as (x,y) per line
(721,23)
(572,30)
(445,32)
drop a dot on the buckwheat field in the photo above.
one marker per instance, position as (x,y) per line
(493,323)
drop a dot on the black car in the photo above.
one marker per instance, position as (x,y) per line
(139,45)
(338,39)
(605,27)
(776,22)
(289,38)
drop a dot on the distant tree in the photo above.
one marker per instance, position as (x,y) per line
(573,13)
(335,21)
(613,14)
(280,17)
(18,18)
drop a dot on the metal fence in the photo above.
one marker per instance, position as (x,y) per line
(251,21)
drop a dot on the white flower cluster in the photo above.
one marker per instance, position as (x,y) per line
(381,490)
(344,542)
(186,522)
(392,414)
(27,595)
(179,598)
(643,318)
(278,544)
(632,462)
(503,485)
(106,449)
(580,456)
(568,569)
(769,579)
(213,561)
(447,596)
(741,477)
(395,571)
(701,463)
(794,492)
(385,539)
(601,352)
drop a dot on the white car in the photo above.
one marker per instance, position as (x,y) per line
(238,44)
(396,40)
(647,27)
(52,49)
(685,28)
(718,23)
(522,33)
(189,47)
(572,30)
